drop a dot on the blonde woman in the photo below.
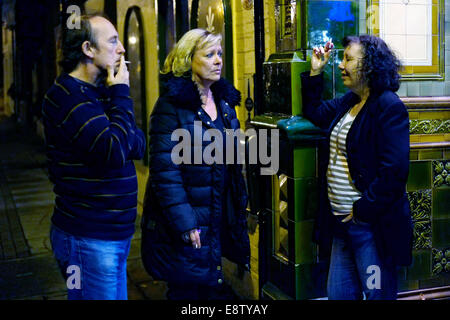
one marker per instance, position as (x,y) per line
(194,210)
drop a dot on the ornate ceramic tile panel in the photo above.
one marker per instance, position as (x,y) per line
(420,204)
(441,261)
(441,173)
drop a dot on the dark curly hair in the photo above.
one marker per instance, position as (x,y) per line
(380,65)
(74,38)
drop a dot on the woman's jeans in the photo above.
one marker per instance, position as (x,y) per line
(93,269)
(356,267)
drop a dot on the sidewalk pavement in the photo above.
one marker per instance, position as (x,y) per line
(28,270)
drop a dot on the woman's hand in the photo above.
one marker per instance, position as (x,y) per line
(194,237)
(320,58)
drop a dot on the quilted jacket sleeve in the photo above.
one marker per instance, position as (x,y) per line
(167,182)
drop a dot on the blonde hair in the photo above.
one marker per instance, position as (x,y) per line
(179,60)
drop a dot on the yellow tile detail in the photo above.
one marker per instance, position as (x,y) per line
(438,115)
(413,115)
(431,138)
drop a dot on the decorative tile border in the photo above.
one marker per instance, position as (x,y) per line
(429,126)
(420,204)
(441,261)
(441,173)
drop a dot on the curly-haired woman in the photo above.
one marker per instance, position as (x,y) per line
(364,222)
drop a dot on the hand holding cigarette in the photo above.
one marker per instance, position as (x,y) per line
(320,57)
(122,75)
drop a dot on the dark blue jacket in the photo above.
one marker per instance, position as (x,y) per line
(378,159)
(187,196)
(91,141)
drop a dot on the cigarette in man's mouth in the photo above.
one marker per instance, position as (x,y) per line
(127,61)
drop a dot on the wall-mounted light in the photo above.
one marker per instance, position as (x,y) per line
(247,4)
(132,40)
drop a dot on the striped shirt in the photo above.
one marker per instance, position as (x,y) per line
(342,193)
(91,140)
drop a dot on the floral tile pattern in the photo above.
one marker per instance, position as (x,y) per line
(441,261)
(429,126)
(441,173)
(420,204)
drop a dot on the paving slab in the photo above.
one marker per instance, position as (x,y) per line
(28,277)
(27,199)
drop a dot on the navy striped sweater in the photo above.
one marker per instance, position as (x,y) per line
(91,141)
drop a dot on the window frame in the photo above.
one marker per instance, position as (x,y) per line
(416,72)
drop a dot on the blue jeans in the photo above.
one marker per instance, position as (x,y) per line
(356,267)
(93,269)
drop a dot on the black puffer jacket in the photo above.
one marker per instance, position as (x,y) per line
(186,196)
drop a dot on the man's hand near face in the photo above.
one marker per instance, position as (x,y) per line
(122,76)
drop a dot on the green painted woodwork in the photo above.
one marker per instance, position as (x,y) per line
(420,205)
(310,281)
(304,162)
(305,249)
(298,66)
(440,233)
(441,204)
(433,126)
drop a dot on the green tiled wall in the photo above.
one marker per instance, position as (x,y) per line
(421,265)
(305,249)
(420,204)
(428,190)
(430,154)
(441,173)
(441,203)
(419,175)
(304,162)
(440,233)
(441,261)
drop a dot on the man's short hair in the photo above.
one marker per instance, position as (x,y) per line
(74,38)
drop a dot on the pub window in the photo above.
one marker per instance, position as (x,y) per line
(414,30)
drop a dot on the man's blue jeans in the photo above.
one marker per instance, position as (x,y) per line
(93,269)
(356,267)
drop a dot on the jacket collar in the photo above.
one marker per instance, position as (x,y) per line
(368,106)
(185,93)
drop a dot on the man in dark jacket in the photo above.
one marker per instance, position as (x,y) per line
(91,140)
